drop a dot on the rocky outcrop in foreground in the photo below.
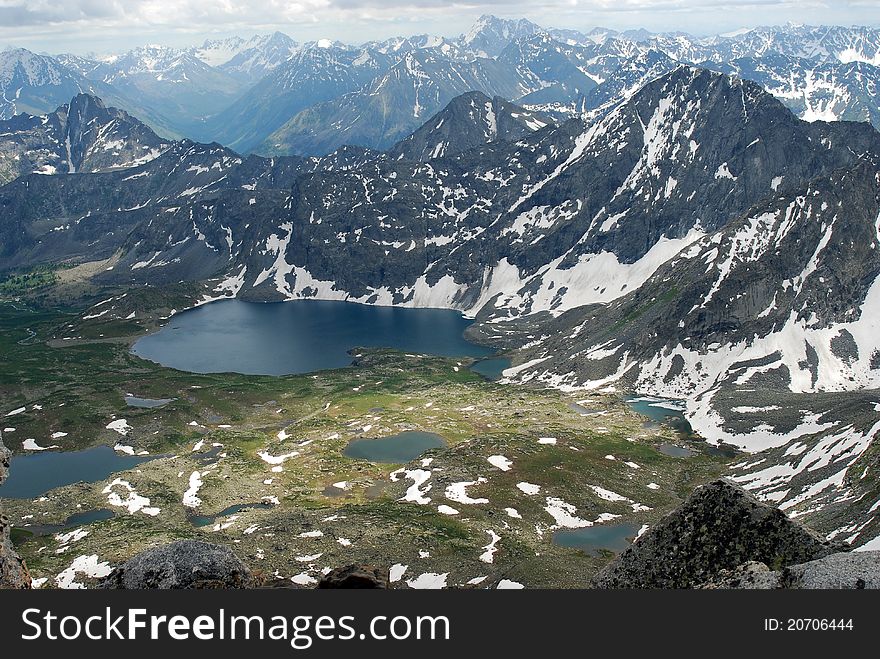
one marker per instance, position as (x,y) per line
(187,564)
(13,571)
(847,570)
(719,528)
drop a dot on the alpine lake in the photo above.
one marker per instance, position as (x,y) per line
(324,433)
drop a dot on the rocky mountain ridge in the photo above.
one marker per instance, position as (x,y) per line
(81,136)
(271,94)
(468,121)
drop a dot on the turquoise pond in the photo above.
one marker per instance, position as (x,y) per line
(207,520)
(399,448)
(662,410)
(594,540)
(492,368)
(26,531)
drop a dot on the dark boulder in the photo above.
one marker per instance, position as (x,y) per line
(355,576)
(719,527)
(186,564)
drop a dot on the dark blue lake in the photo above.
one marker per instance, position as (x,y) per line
(35,474)
(300,336)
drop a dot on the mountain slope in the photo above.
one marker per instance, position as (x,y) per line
(259,56)
(174,84)
(393,105)
(822,43)
(468,121)
(36,84)
(777,296)
(553,73)
(827,91)
(622,77)
(563,217)
(81,136)
(769,330)
(311,76)
(489,35)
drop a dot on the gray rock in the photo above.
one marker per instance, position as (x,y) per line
(13,571)
(719,527)
(751,576)
(850,570)
(186,564)
(844,570)
(355,576)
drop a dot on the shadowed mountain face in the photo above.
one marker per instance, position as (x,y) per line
(469,121)
(175,84)
(82,136)
(562,217)
(308,78)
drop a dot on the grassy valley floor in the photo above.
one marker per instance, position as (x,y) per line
(521,462)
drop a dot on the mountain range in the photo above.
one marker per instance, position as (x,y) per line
(272,95)
(632,223)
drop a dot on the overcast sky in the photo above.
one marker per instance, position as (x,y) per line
(83,26)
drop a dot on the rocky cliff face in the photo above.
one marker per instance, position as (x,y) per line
(854,570)
(562,217)
(81,136)
(13,572)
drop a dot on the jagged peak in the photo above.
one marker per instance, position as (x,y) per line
(85,100)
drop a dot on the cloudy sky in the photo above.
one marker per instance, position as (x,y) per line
(84,26)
